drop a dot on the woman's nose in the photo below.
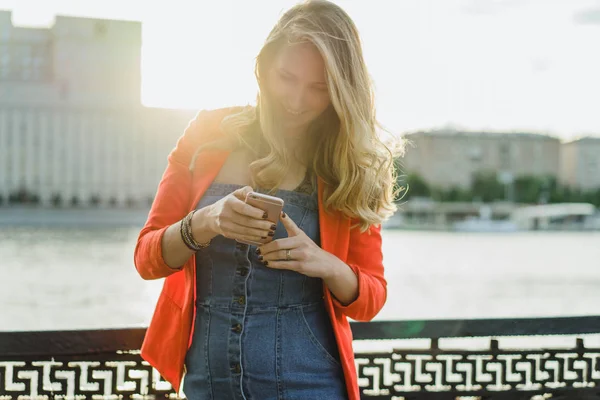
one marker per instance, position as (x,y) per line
(296,99)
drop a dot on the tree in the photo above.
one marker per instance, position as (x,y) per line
(94,200)
(529,189)
(56,200)
(591,196)
(130,202)
(558,193)
(457,194)
(415,185)
(486,186)
(596,199)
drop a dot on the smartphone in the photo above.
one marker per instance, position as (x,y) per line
(271,205)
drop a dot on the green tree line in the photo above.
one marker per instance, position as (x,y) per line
(486,187)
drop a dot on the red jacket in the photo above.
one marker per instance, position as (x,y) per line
(170,332)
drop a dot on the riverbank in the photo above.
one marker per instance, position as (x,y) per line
(72,217)
(136,217)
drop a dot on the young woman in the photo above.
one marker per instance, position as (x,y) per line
(270,322)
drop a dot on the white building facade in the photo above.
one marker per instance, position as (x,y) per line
(72,128)
(449,159)
(580,163)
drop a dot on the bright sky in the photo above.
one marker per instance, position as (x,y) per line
(530,65)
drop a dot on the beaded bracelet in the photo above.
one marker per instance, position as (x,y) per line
(185,230)
(187,236)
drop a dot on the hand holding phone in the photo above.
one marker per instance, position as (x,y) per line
(233,218)
(271,205)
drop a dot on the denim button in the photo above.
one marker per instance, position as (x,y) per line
(236,368)
(241,300)
(237,328)
(243,271)
(240,246)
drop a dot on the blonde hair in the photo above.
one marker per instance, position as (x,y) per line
(356,166)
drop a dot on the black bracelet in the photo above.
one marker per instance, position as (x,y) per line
(187,236)
(186,241)
(187,232)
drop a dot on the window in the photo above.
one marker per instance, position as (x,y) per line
(26,67)
(504,155)
(25,62)
(475,153)
(9,132)
(4,66)
(38,68)
(36,138)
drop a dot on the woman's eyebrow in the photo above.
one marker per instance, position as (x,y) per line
(285,71)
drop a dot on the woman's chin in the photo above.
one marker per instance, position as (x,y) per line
(291,122)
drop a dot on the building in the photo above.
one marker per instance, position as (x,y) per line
(580,163)
(78,61)
(72,127)
(449,159)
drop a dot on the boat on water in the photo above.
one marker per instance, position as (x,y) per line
(484,223)
(495,217)
(560,216)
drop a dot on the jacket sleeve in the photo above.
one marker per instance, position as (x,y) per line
(170,204)
(365,258)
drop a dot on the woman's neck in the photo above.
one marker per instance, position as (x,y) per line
(297,148)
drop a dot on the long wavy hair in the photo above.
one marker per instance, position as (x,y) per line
(344,147)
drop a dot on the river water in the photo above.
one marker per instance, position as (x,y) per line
(74,276)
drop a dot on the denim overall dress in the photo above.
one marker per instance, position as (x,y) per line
(260,333)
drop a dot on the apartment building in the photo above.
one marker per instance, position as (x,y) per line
(72,127)
(448,158)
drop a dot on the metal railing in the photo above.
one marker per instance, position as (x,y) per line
(106,364)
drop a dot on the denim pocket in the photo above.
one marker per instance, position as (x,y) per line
(318,329)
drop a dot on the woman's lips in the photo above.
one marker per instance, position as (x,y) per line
(292,112)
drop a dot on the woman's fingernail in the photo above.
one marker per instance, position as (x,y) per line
(273,227)
(271,233)
(263,237)
(260,258)
(265,215)
(282,214)
(258,250)
(266,262)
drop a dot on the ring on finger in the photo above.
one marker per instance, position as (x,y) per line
(288,256)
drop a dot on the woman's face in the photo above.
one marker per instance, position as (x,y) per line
(297,86)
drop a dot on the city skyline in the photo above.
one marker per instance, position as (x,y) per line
(479,66)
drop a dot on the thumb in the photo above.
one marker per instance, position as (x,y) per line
(289,225)
(241,193)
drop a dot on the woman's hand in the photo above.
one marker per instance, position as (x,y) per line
(234,219)
(298,253)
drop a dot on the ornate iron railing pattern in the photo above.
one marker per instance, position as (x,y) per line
(105,364)
(492,373)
